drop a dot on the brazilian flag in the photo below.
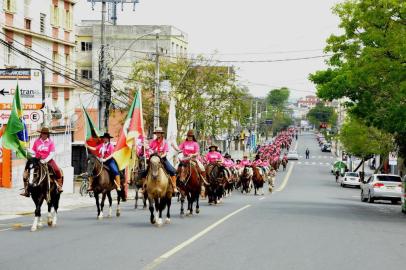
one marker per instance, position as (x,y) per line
(15,136)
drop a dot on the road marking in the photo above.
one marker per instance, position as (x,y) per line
(8,229)
(299,162)
(261,198)
(321,163)
(176,249)
(286,179)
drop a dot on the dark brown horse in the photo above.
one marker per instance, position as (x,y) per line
(42,186)
(245,179)
(258,180)
(103,184)
(215,177)
(284,163)
(136,180)
(190,185)
(159,190)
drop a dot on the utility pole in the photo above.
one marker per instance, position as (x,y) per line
(105,80)
(156,92)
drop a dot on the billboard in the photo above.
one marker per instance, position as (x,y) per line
(30,83)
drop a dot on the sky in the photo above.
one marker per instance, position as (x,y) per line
(245,30)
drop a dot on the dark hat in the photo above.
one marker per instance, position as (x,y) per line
(213,146)
(227,155)
(44,130)
(106,135)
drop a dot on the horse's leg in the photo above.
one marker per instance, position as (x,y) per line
(99,213)
(49,219)
(57,197)
(118,211)
(37,218)
(108,194)
(189,205)
(168,212)
(136,197)
(159,202)
(102,202)
(197,204)
(145,200)
(182,202)
(151,209)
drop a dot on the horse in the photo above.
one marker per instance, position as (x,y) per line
(189,185)
(102,184)
(284,163)
(136,180)
(42,186)
(159,190)
(230,182)
(245,179)
(215,177)
(257,180)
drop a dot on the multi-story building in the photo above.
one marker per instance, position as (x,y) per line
(43,29)
(43,33)
(308,102)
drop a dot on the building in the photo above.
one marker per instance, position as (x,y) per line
(308,102)
(43,32)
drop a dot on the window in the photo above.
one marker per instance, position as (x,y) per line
(27,24)
(27,60)
(42,23)
(8,55)
(86,74)
(9,5)
(54,15)
(55,62)
(86,46)
(68,20)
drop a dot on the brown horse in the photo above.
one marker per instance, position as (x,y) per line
(245,179)
(258,180)
(284,163)
(159,190)
(41,185)
(216,177)
(136,180)
(190,185)
(103,184)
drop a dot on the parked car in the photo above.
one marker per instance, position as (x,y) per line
(293,155)
(404,195)
(350,179)
(382,187)
(326,147)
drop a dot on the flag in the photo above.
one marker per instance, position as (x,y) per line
(15,136)
(172,131)
(133,127)
(92,133)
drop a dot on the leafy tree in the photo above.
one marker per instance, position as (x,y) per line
(278,97)
(368,64)
(322,114)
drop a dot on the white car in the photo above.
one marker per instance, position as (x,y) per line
(382,187)
(293,155)
(350,179)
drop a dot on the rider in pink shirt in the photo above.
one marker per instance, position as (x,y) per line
(228,163)
(245,161)
(213,156)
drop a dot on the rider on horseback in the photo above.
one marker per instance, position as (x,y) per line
(44,150)
(213,155)
(160,147)
(245,161)
(104,151)
(190,150)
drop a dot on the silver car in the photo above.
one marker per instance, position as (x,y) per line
(382,187)
(350,179)
(293,155)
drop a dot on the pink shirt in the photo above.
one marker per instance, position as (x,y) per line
(213,157)
(189,148)
(257,162)
(228,163)
(245,162)
(160,147)
(42,148)
(104,150)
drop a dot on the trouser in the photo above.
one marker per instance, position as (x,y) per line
(111,163)
(58,173)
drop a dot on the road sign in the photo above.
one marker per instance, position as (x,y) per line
(30,83)
(30,117)
(268,122)
(393,158)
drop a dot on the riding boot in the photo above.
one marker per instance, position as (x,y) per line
(59,184)
(117,182)
(90,188)
(173,180)
(26,193)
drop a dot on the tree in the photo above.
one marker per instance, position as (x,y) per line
(368,64)
(278,97)
(322,114)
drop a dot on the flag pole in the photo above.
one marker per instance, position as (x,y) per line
(142,126)
(84,128)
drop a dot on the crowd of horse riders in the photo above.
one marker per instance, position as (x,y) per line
(212,175)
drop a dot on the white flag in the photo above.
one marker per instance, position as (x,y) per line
(172,132)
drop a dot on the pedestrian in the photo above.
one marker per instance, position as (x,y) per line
(307,153)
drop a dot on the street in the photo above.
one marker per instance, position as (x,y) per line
(309,222)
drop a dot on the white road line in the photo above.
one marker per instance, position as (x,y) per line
(313,163)
(8,229)
(261,198)
(299,162)
(286,179)
(321,163)
(176,249)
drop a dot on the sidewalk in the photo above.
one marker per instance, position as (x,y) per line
(12,205)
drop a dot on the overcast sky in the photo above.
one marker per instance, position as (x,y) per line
(245,30)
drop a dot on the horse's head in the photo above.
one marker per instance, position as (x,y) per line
(93,164)
(32,170)
(183,170)
(155,165)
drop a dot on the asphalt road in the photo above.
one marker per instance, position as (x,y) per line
(308,223)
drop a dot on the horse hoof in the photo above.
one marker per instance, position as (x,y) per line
(189,214)
(197,211)
(118,214)
(168,221)
(100,217)
(159,223)
(49,223)
(33,229)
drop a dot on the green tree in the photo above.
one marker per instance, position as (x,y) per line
(322,114)
(278,98)
(368,64)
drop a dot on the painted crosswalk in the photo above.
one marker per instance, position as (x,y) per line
(318,157)
(313,163)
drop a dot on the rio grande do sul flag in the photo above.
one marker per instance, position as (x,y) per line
(92,134)
(133,127)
